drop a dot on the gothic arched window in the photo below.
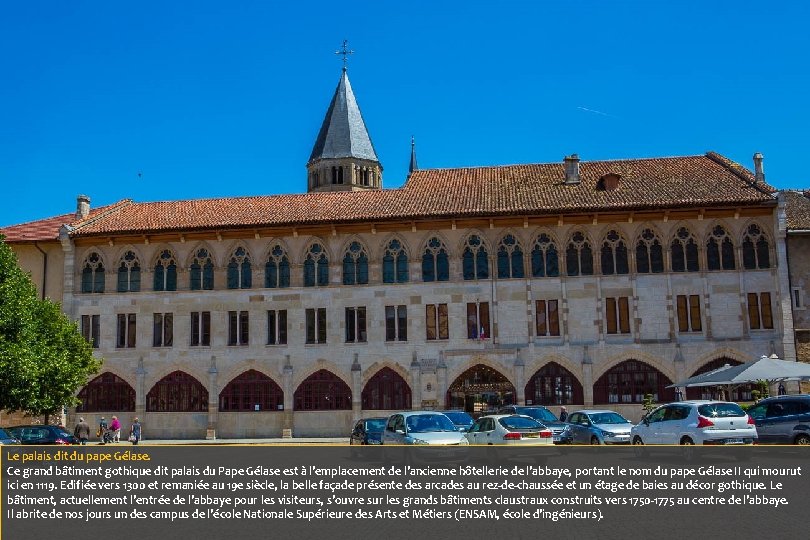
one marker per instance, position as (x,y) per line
(240,275)
(649,253)
(614,255)
(107,392)
(251,391)
(545,261)
(177,392)
(510,258)
(755,249)
(129,273)
(165,272)
(201,271)
(435,262)
(93,274)
(395,263)
(684,252)
(277,269)
(316,267)
(720,250)
(475,261)
(355,265)
(579,256)
(323,391)
(386,390)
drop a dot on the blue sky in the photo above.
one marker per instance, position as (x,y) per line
(212,98)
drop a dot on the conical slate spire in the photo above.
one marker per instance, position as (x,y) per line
(343,132)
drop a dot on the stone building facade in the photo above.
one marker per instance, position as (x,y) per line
(797,210)
(576,283)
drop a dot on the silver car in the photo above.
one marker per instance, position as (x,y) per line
(592,426)
(421,427)
(695,422)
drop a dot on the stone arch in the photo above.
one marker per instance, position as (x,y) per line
(553,384)
(299,377)
(158,250)
(247,365)
(247,390)
(192,254)
(571,365)
(485,240)
(349,240)
(122,250)
(458,370)
(372,370)
(658,363)
(423,244)
(396,393)
(722,352)
(94,399)
(271,243)
(153,377)
(486,396)
(325,395)
(629,381)
(190,394)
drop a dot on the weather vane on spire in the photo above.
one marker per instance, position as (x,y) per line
(345,52)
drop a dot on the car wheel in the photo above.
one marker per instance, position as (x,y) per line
(638,447)
(804,438)
(689,450)
(595,440)
(686,441)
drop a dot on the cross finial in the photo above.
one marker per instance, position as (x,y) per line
(345,52)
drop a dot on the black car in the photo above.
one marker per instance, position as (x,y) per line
(7,438)
(367,431)
(462,420)
(42,434)
(560,430)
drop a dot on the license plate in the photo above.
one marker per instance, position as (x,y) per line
(734,441)
(531,435)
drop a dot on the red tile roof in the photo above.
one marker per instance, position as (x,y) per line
(47,229)
(797,210)
(656,183)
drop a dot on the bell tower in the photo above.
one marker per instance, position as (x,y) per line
(343,158)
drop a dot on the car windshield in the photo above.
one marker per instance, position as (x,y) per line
(425,423)
(520,422)
(459,418)
(608,418)
(721,410)
(375,425)
(538,413)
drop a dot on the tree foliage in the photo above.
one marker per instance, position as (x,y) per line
(43,357)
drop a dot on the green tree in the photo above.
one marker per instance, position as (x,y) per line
(43,357)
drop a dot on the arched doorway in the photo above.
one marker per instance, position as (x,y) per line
(386,390)
(552,384)
(480,390)
(629,381)
(739,393)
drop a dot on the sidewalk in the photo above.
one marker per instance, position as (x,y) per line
(293,442)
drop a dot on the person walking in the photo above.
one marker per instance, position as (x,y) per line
(563,414)
(115,427)
(82,431)
(102,429)
(135,431)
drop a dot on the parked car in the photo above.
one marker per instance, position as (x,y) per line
(7,438)
(42,434)
(462,420)
(421,427)
(368,431)
(783,419)
(695,422)
(510,430)
(560,431)
(590,426)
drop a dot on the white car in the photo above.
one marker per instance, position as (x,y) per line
(510,430)
(695,422)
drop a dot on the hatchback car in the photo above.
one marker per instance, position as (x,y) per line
(599,427)
(424,427)
(783,419)
(7,438)
(510,430)
(560,431)
(42,434)
(695,422)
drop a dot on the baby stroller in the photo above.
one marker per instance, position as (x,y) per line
(107,436)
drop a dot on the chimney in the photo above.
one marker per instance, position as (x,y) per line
(571,169)
(82,206)
(759,172)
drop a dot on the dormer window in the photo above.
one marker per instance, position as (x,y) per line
(610,182)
